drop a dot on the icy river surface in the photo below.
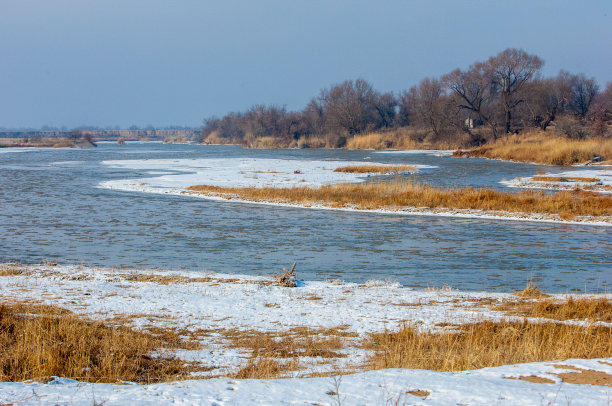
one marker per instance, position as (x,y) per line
(54,208)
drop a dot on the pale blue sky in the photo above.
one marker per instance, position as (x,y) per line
(163,62)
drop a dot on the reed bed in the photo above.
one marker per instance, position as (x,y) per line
(599,309)
(380,141)
(376,169)
(563,179)
(37,342)
(394,195)
(487,344)
(405,138)
(540,147)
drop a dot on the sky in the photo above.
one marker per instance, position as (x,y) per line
(162,62)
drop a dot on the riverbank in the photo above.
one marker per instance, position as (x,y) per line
(408,197)
(242,326)
(44,143)
(543,148)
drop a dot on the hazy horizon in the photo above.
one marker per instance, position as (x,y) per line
(135,62)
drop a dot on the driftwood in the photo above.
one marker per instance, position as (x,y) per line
(288,278)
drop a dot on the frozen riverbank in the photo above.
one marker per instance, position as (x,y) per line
(175,176)
(219,303)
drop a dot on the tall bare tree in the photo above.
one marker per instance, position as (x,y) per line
(474,91)
(583,91)
(511,70)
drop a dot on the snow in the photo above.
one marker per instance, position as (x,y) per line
(232,172)
(602,185)
(174,176)
(224,301)
(384,387)
(432,152)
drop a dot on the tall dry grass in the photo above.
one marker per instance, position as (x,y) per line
(42,341)
(406,138)
(380,141)
(487,344)
(571,309)
(376,169)
(393,195)
(544,148)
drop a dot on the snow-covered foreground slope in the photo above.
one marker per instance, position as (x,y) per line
(488,386)
(220,302)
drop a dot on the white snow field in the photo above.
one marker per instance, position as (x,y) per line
(174,176)
(198,300)
(488,386)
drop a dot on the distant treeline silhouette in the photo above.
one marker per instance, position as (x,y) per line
(503,95)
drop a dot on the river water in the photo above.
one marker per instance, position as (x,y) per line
(51,208)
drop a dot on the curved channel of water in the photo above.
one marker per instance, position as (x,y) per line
(52,209)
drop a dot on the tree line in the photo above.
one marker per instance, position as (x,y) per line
(502,95)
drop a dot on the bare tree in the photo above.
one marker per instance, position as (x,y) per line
(582,92)
(545,99)
(474,91)
(600,113)
(431,106)
(349,106)
(511,70)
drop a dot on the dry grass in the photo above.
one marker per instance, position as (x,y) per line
(8,270)
(405,138)
(571,309)
(396,139)
(394,195)
(543,148)
(278,354)
(488,344)
(293,344)
(376,169)
(42,341)
(261,368)
(531,291)
(167,279)
(563,179)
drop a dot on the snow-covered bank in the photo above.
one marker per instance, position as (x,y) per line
(174,176)
(595,180)
(178,174)
(488,386)
(216,303)
(220,302)
(431,152)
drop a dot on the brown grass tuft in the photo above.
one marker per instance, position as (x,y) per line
(376,169)
(43,341)
(7,270)
(570,309)
(488,344)
(531,291)
(419,392)
(541,147)
(261,368)
(394,195)
(286,345)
